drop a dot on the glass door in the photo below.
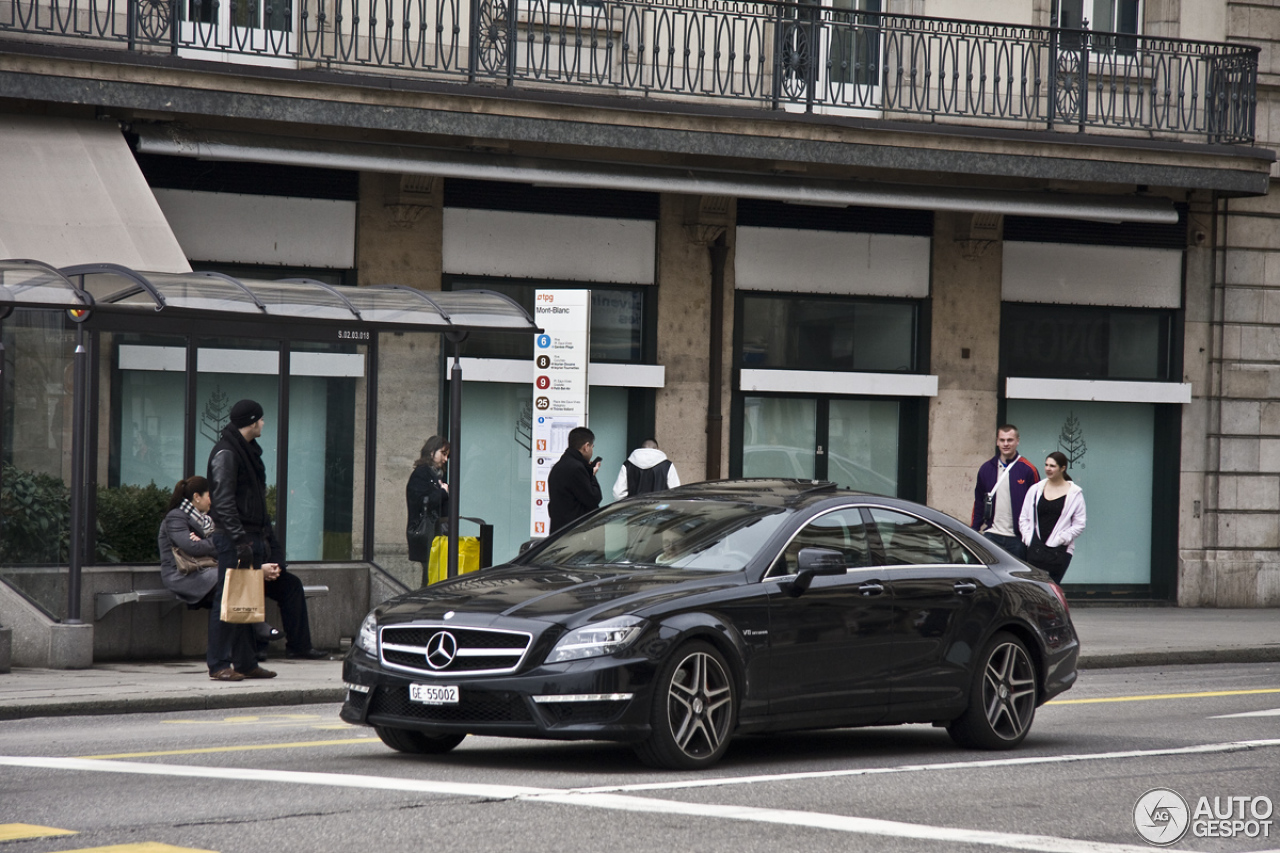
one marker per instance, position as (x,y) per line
(852,442)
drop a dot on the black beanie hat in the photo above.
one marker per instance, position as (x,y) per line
(244,413)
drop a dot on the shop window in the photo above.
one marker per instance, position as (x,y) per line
(1110,453)
(1069,342)
(617,321)
(783,331)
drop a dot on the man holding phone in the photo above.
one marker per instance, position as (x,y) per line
(572,488)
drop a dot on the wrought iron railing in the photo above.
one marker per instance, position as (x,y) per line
(778,55)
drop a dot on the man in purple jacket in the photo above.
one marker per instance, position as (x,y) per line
(1003,481)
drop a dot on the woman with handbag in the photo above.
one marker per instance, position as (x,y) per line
(427,501)
(1055,504)
(188,557)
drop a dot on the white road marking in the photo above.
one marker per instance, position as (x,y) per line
(1201,749)
(1273,712)
(608,798)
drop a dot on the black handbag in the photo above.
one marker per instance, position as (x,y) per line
(1042,556)
(420,532)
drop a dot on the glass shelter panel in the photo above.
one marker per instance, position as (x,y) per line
(140,440)
(228,371)
(35,442)
(326,449)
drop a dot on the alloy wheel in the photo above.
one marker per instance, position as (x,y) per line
(700,705)
(1009,691)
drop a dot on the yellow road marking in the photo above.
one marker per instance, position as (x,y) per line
(1205,695)
(145,847)
(243,748)
(277,719)
(16,831)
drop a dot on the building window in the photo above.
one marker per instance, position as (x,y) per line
(782,331)
(1073,342)
(1121,17)
(617,320)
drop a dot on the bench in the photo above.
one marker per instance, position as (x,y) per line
(105,602)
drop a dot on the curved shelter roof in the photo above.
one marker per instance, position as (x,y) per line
(120,290)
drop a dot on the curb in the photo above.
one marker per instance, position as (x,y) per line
(168,704)
(1268,654)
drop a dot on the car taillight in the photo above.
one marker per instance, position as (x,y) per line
(1062,596)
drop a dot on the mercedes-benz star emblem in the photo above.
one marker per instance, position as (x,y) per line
(441,650)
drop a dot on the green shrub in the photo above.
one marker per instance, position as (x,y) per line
(35,511)
(129,521)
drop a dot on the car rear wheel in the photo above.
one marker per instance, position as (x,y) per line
(417,743)
(1002,698)
(694,708)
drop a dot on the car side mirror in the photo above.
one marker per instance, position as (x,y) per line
(526,545)
(810,563)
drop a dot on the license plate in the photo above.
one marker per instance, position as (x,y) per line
(434,694)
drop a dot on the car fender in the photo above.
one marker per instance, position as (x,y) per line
(679,628)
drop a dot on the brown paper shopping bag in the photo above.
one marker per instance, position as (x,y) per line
(244,600)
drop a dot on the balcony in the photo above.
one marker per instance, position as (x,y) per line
(771,56)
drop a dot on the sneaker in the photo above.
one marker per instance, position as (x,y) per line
(227,674)
(258,672)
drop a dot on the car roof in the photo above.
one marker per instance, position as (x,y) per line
(789,493)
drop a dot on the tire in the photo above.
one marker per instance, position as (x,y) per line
(694,710)
(1002,697)
(417,743)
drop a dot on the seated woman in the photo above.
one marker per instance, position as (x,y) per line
(187,528)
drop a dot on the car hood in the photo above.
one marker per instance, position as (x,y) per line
(554,594)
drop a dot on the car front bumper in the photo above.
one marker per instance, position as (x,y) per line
(597,699)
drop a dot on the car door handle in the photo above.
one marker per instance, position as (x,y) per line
(965,587)
(871,588)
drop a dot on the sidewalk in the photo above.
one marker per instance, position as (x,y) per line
(1109,637)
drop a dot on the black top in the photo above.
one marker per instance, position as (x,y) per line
(1049,511)
(572,490)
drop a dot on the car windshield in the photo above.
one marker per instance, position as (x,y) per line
(717,536)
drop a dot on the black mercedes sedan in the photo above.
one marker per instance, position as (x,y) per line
(675,620)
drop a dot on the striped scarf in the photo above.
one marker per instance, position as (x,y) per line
(204,521)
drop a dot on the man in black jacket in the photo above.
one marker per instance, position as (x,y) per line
(245,537)
(572,489)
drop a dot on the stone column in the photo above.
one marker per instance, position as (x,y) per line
(399,237)
(687,226)
(965,355)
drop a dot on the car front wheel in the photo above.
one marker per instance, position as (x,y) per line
(417,743)
(693,712)
(1002,698)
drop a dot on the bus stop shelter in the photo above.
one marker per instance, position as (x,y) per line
(88,290)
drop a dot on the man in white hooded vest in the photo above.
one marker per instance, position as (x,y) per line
(647,469)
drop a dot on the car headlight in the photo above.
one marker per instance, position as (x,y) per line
(601,638)
(367,639)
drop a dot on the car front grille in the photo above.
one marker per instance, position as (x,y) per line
(441,650)
(471,707)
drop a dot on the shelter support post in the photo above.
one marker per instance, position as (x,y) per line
(455,452)
(79,487)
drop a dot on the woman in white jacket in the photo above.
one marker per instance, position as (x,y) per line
(1055,504)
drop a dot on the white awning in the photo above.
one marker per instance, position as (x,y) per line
(71,193)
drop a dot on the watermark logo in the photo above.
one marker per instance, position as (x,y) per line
(1161,817)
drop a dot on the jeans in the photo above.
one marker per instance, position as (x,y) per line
(1012,544)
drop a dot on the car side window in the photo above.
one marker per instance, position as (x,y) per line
(842,530)
(911,541)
